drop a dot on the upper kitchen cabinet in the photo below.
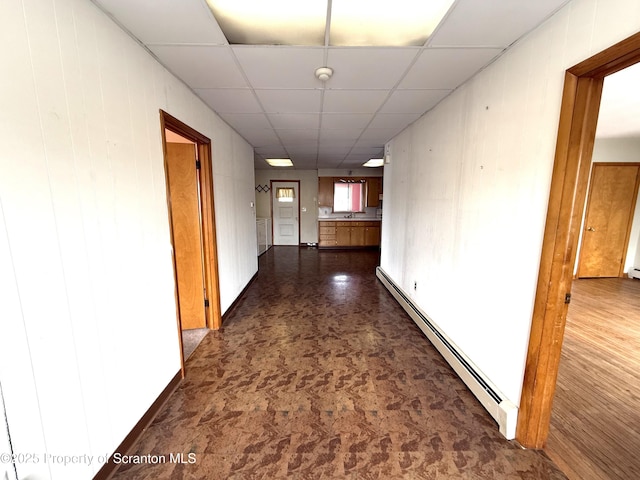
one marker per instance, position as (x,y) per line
(374,189)
(325,192)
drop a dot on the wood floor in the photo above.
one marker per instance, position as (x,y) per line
(595,424)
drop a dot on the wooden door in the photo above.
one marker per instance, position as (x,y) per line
(185,220)
(610,207)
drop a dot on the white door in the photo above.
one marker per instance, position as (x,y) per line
(285,201)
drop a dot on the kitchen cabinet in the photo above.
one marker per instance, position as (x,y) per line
(325,192)
(343,234)
(327,234)
(374,189)
(349,233)
(372,234)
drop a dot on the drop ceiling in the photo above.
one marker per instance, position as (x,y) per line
(270,96)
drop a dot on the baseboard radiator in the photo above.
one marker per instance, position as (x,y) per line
(504,412)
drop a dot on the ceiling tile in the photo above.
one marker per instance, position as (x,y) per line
(413,101)
(368,68)
(333,151)
(290,101)
(369,143)
(260,137)
(271,151)
(299,155)
(201,66)
(241,121)
(309,150)
(369,152)
(230,100)
(166,21)
(295,120)
(498,23)
(280,67)
(346,120)
(345,134)
(446,68)
(382,135)
(298,136)
(393,120)
(353,101)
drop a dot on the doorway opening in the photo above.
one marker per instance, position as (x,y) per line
(574,148)
(189,181)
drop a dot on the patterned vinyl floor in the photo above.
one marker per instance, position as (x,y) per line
(318,373)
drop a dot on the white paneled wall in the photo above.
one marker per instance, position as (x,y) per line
(467,189)
(88,335)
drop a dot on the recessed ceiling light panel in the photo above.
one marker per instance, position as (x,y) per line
(392,23)
(280,162)
(276,22)
(374,162)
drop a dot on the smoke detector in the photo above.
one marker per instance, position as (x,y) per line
(324,73)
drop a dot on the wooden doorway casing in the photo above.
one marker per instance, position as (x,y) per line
(209,247)
(576,134)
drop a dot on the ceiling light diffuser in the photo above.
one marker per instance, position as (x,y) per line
(374,162)
(280,162)
(397,23)
(276,22)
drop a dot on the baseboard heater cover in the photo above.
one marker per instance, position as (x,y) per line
(503,411)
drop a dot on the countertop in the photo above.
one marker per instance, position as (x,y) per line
(356,219)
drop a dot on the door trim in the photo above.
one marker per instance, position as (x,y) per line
(207,217)
(271,202)
(576,134)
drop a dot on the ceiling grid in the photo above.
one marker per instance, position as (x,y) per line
(271,97)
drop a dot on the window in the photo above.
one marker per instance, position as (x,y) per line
(348,196)
(285,194)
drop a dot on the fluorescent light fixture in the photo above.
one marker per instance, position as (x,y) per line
(280,162)
(393,23)
(274,22)
(353,22)
(374,162)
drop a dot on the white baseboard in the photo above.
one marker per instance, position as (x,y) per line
(503,411)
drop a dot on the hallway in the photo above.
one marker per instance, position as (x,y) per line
(318,373)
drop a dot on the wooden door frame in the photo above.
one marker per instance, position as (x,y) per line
(576,134)
(271,202)
(207,217)
(631,216)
